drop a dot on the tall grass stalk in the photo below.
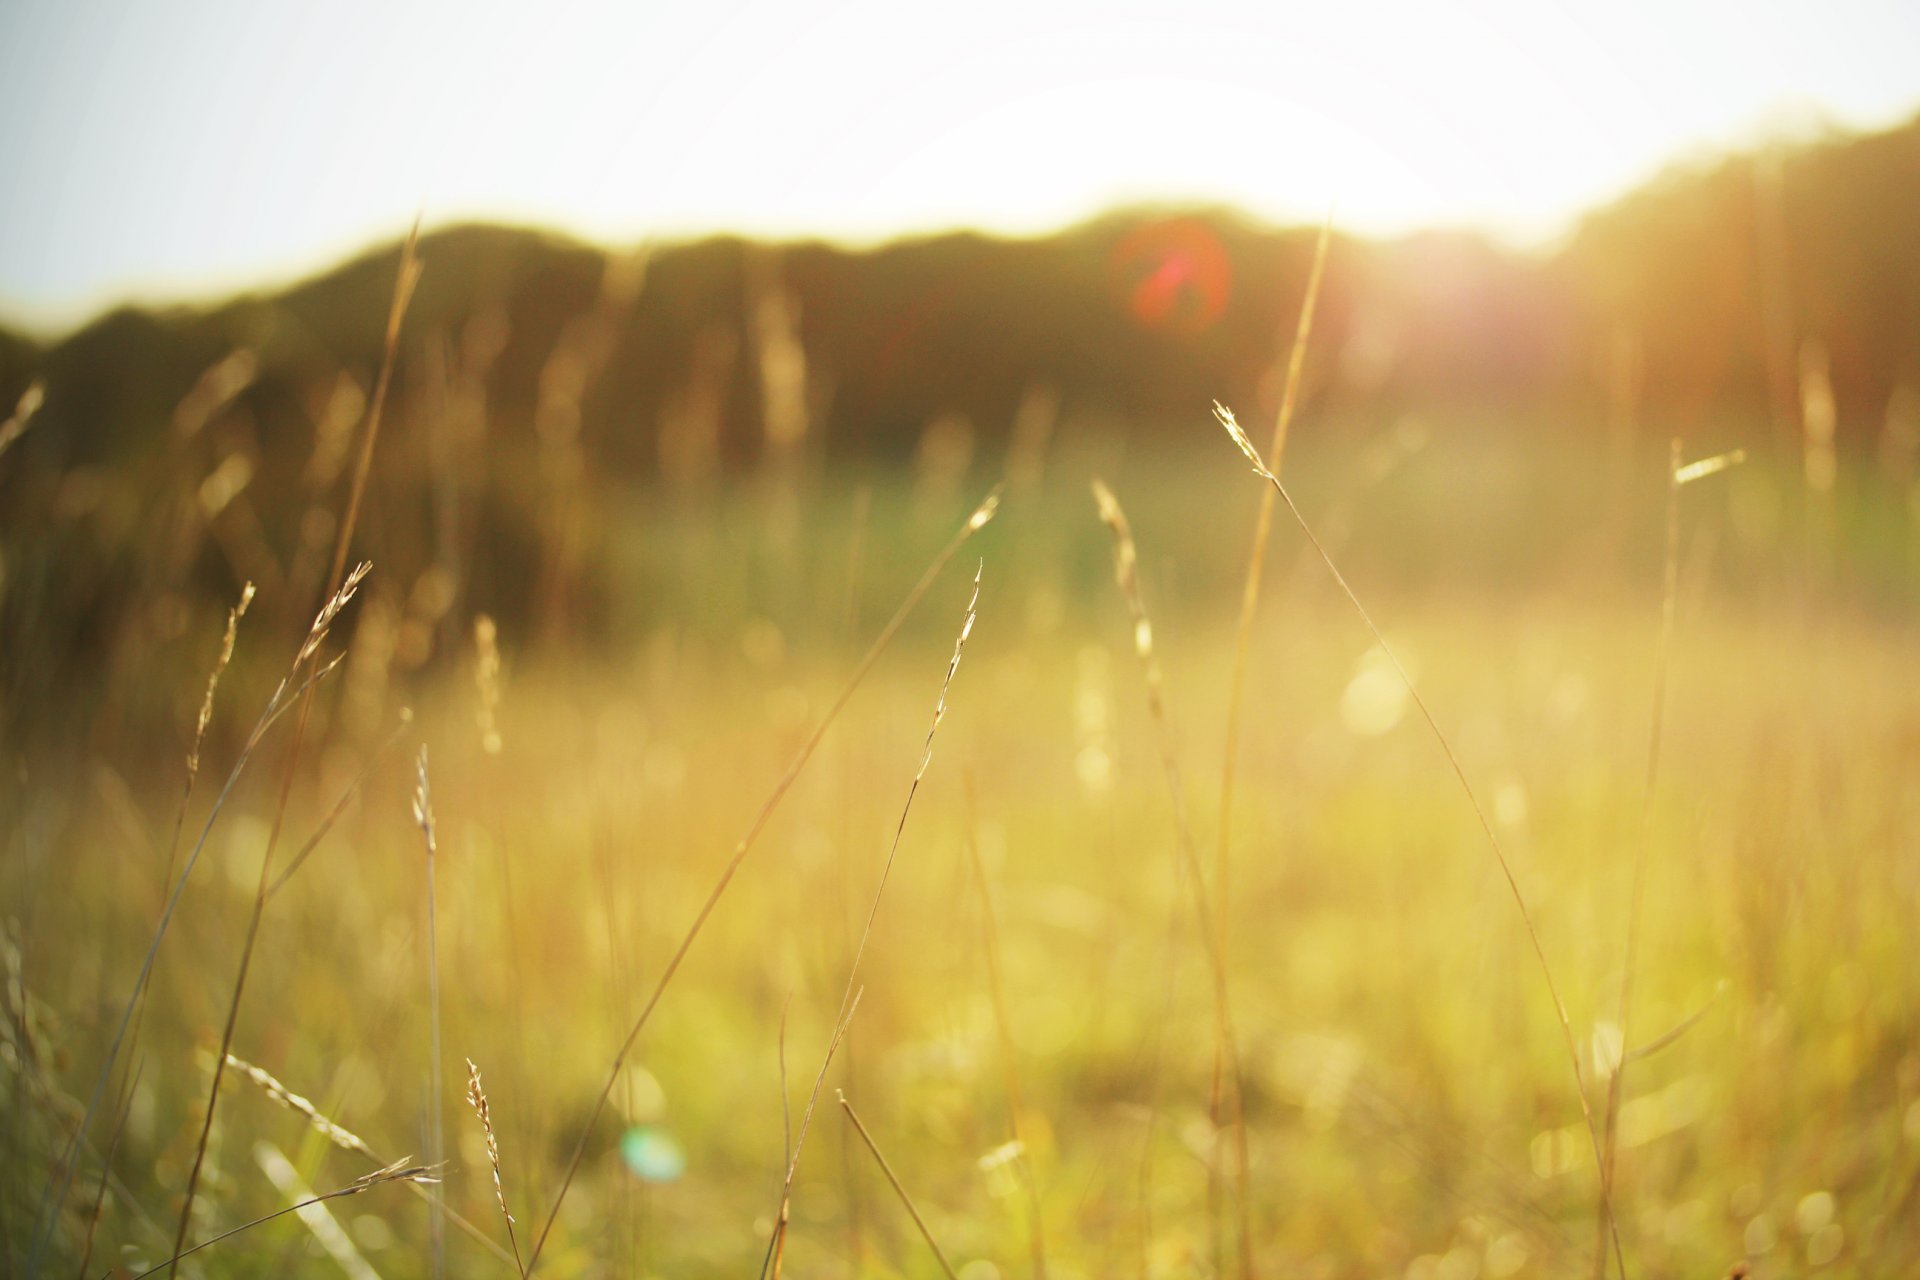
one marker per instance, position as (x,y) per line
(338,578)
(1126,568)
(1236,692)
(777,1242)
(309,652)
(1003,1028)
(879,891)
(1677,477)
(436,1119)
(293,686)
(1246,446)
(974,523)
(893,1181)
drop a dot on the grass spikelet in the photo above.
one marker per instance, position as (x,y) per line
(22,417)
(1260,468)
(323,621)
(975,522)
(899,1190)
(477,1099)
(339,1135)
(234,615)
(347,1140)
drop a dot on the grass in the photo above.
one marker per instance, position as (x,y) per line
(1407,1100)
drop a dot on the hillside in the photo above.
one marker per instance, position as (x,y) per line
(210,439)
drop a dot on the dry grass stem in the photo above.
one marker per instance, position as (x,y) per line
(1003,1028)
(975,522)
(400,1171)
(776,1246)
(316,636)
(1236,690)
(436,1134)
(873,911)
(294,685)
(1678,474)
(893,1181)
(345,1139)
(1246,446)
(1126,568)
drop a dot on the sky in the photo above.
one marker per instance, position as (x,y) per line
(162,149)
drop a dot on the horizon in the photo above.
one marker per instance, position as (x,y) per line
(237,146)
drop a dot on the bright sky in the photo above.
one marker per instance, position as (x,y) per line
(161,148)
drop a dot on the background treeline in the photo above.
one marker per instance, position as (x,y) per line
(1771,297)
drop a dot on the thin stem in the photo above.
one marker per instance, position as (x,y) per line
(893,1180)
(873,911)
(1260,467)
(977,521)
(1243,645)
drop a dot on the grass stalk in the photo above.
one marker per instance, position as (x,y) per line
(1126,567)
(293,686)
(345,1139)
(975,522)
(400,1171)
(436,1131)
(1236,693)
(309,652)
(1246,446)
(1003,1028)
(777,1242)
(893,1181)
(1678,475)
(873,911)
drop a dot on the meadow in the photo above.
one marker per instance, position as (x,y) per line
(1034,1046)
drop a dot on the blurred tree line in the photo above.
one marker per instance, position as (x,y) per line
(179,451)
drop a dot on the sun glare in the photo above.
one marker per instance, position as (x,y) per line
(199,146)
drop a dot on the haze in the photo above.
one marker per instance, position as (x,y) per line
(153,151)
